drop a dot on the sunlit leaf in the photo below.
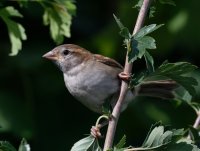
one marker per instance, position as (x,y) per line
(122,142)
(15,30)
(170,140)
(58,16)
(24,146)
(86,144)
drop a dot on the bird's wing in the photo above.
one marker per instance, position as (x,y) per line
(107,61)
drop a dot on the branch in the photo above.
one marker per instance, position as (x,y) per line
(197,121)
(124,86)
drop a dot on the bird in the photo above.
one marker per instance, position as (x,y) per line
(94,79)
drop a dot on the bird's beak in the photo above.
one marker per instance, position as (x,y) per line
(51,56)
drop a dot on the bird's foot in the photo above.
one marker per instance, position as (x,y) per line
(95,132)
(124,76)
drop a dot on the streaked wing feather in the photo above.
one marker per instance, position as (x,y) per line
(107,61)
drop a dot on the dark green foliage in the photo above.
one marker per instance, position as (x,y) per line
(6,146)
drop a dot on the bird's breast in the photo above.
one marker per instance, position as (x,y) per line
(93,85)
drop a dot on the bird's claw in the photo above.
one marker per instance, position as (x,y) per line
(95,132)
(124,76)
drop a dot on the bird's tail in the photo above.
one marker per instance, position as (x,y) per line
(160,89)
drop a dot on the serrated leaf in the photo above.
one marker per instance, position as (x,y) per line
(140,42)
(6,146)
(24,146)
(124,32)
(86,144)
(15,30)
(58,16)
(170,2)
(149,62)
(121,143)
(158,139)
(176,72)
(139,47)
(121,26)
(154,137)
(147,30)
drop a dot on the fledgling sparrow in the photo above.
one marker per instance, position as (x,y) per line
(93,79)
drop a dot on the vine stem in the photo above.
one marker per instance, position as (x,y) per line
(124,86)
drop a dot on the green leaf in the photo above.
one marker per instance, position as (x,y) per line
(6,146)
(149,62)
(15,30)
(58,16)
(86,144)
(124,32)
(121,143)
(157,137)
(176,72)
(139,47)
(146,30)
(140,42)
(170,2)
(24,146)
(170,140)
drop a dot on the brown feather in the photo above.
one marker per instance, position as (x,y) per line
(107,61)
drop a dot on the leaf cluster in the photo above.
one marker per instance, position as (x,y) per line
(159,139)
(138,43)
(57,15)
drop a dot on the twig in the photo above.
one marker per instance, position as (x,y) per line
(195,125)
(124,86)
(197,121)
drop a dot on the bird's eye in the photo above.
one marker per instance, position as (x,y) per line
(66,52)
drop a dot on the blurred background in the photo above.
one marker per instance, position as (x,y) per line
(34,102)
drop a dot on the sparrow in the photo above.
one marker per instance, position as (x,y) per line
(94,79)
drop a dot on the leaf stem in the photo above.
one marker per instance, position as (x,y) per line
(124,86)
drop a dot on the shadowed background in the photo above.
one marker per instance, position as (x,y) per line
(34,102)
